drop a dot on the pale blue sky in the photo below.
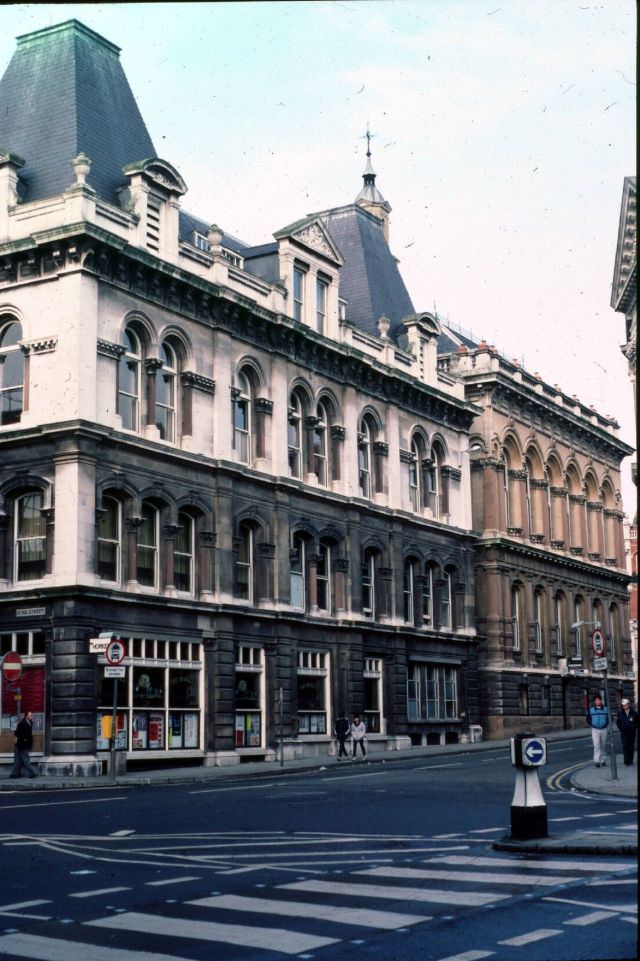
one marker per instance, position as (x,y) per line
(503,131)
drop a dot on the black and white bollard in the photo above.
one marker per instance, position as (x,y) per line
(528,807)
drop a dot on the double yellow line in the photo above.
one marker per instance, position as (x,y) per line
(553,781)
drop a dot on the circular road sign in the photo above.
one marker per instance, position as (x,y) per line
(12,666)
(598,643)
(116,652)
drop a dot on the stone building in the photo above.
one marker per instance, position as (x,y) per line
(243,461)
(550,558)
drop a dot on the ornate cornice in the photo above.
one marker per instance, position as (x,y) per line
(198,382)
(107,349)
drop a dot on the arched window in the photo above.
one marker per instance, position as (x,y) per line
(295,434)
(30,538)
(129,381)
(12,368)
(366,434)
(578,620)
(368,582)
(516,617)
(417,470)
(166,394)
(435,493)
(298,572)
(446,601)
(147,547)
(109,540)
(408,591)
(320,444)
(245,563)
(183,555)
(243,397)
(558,605)
(324,577)
(538,610)
(427,595)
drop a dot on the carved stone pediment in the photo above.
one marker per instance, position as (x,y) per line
(315,237)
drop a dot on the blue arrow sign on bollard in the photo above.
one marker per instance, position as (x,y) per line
(534,752)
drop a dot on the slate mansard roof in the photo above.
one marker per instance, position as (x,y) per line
(63,93)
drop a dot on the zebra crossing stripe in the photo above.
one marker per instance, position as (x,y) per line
(270,939)
(58,949)
(554,865)
(531,936)
(478,877)
(591,918)
(361,917)
(395,892)
(468,956)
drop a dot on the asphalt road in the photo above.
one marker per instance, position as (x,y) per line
(356,861)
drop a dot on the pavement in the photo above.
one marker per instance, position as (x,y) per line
(585,778)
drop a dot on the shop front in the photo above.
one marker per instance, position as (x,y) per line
(24,692)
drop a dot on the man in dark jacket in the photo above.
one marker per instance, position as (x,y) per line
(24,743)
(341,730)
(627,721)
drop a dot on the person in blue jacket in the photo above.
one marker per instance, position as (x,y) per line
(598,719)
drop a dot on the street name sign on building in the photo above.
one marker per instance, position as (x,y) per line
(600,664)
(114,671)
(98,645)
(12,666)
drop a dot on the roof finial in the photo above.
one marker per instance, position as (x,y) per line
(368,135)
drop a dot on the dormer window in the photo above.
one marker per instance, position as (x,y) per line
(200,241)
(234,259)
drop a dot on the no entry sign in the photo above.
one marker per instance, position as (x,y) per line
(12,666)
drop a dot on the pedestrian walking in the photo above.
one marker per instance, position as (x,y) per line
(24,743)
(341,730)
(627,721)
(359,736)
(598,719)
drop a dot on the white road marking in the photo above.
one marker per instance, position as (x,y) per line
(609,881)
(122,834)
(269,939)
(468,956)
(361,917)
(630,920)
(56,949)
(394,893)
(5,908)
(477,877)
(97,892)
(575,817)
(49,804)
(437,767)
(240,787)
(351,777)
(607,814)
(486,830)
(591,918)
(538,935)
(552,865)
(159,884)
(624,909)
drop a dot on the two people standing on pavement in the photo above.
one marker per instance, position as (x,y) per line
(598,719)
(627,721)
(24,743)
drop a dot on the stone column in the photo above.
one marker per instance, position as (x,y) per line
(263,409)
(206,570)
(169,544)
(151,366)
(132,524)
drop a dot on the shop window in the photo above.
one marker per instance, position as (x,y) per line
(147,548)
(158,705)
(372,676)
(109,539)
(12,371)
(183,554)
(313,692)
(249,697)
(30,538)
(26,694)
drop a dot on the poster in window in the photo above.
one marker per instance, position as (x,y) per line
(239,730)
(175,730)
(103,731)
(156,732)
(191,732)
(253,730)
(139,732)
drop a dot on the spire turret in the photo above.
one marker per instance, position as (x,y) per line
(370,197)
